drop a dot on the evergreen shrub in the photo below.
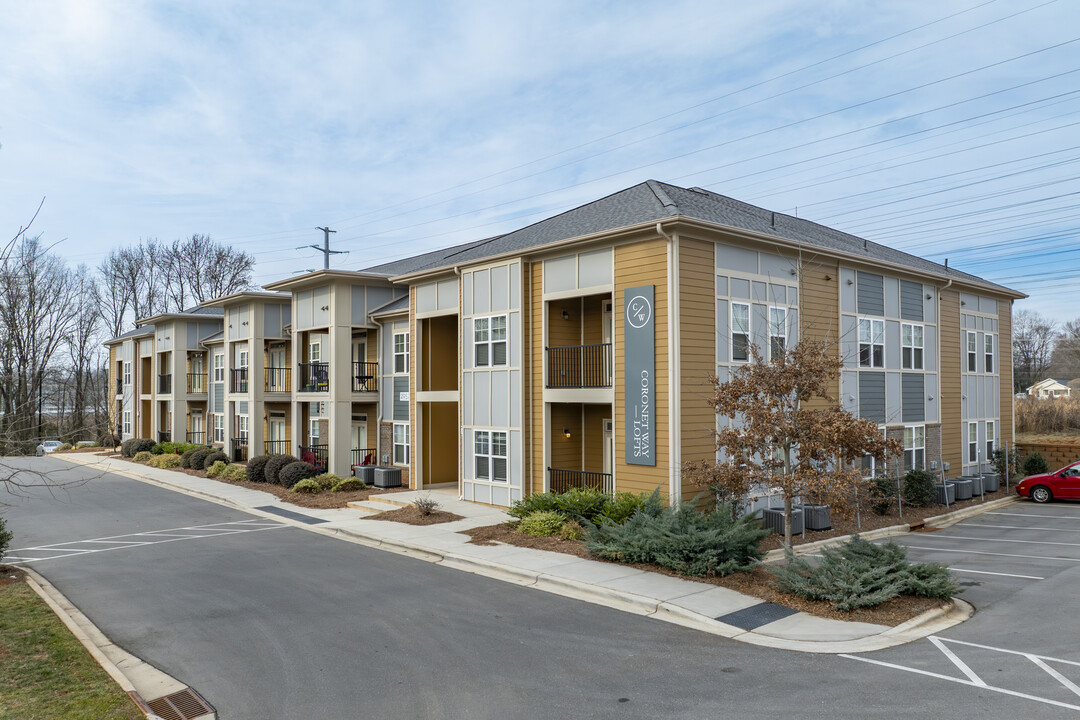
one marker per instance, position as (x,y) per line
(142,457)
(348,485)
(919,488)
(327,480)
(185,459)
(882,494)
(255,467)
(64,447)
(210,458)
(572,530)
(108,440)
(293,473)
(5,538)
(216,469)
(164,462)
(195,460)
(174,448)
(234,473)
(307,486)
(544,523)
(589,505)
(861,574)
(1035,464)
(274,465)
(1011,461)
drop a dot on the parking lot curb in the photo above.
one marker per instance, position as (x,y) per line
(948,519)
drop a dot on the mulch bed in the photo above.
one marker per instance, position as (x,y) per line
(757,582)
(412,516)
(9,575)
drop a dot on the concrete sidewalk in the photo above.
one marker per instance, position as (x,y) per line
(693,604)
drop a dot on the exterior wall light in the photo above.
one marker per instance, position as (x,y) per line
(566,432)
(565,315)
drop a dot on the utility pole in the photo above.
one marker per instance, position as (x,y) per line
(325,249)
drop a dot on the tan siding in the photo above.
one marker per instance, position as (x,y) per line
(566,451)
(697,350)
(527,365)
(949,379)
(643,263)
(819,311)
(1005,363)
(593,436)
(413,361)
(537,374)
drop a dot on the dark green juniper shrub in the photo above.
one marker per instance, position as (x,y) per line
(256,466)
(590,505)
(919,490)
(861,574)
(274,464)
(173,448)
(5,538)
(1035,464)
(681,539)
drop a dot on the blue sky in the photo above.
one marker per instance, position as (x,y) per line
(948,129)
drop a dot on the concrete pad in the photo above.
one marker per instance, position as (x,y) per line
(802,626)
(715,602)
(655,585)
(590,571)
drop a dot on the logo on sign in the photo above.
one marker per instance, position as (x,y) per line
(638,311)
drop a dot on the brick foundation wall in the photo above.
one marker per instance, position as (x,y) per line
(386,447)
(932,444)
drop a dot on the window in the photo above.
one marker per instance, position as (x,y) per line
(127,373)
(490,452)
(915,447)
(740,332)
(911,346)
(315,352)
(219,428)
(243,361)
(777,332)
(871,343)
(219,367)
(242,427)
(401,443)
(401,352)
(489,341)
(988,350)
(127,422)
(971,366)
(313,431)
(989,440)
(973,442)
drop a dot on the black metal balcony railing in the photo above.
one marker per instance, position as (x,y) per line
(315,454)
(277,447)
(315,377)
(238,380)
(164,384)
(196,383)
(559,481)
(365,376)
(240,448)
(196,438)
(163,437)
(579,366)
(365,456)
(277,379)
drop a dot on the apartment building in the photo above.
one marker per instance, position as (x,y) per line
(577,351)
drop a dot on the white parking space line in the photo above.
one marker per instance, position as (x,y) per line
(983,552)
(986,572)
(1029,515)
(1004,540)
(960,664)
(1019,527)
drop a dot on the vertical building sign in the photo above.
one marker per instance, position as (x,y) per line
(639,370)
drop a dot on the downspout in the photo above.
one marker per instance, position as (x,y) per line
(382,382)
(461,384)
(674,371)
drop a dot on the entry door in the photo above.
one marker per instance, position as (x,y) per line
(609,446)
(277,370)
(606,322)
(277,431)
(197,428)
(197,374)
(359,439)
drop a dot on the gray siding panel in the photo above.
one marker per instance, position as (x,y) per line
(892,345)
(892,297)
(723,337)
(401,407)
(849,391)
(911,300)
(892,397)
(759,328)
(849,341)
(847,290)
(914,397)
(870,293)
(872,396)
(931,398)
(736,258)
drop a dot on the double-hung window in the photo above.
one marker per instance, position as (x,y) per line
(989,440)
(777,332)
(973,442)
(871,343)
(915,447)
(127,373)
(489,341)
(242,427)
(219,367)
(127,422)
(870,463)
(401,352)
(313,431)
(489,451)
(972,353)
(988,351)
(740,332)
(315,352)
(911,346)
(219,428)
(401,443)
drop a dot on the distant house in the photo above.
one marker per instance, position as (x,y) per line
(1050,387)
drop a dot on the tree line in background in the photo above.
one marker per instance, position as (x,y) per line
(54,319)
(1042,348)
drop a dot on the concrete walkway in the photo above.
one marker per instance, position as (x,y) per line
(689,603)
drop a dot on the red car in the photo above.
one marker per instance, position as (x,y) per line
(1063,484)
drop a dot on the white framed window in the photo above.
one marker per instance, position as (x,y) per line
(313,431)
(988,352)
(972,365)
(401,352)
(871,343)
(915,447)
(219,367)
(127,422)
(127,373)
(243,359)
(989,440)
(242,426)
(777,332)
(740,332)
(219,428)
(870,464)
(911,346)
(401,443)
(973,442)
(489,451)
(315,352)
(489,341)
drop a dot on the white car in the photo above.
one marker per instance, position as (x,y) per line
(48,446)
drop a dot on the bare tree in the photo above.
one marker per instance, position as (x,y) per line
(1033,345)
(1065,360)
(200,269)
(84,350)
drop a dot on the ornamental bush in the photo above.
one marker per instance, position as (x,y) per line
(108,440)
(293,473)
(1009,462)
(142,457)
(255,467)
(861,574)
(919,488)
(327,480)
(307,486)
(348,485)
(174,448)
(210,458)
(136,445)
(185,459)
(572,530)
(234,473)
(195,460)
(216,469)
(882,494)
(544,523)
(1035,464)
(164,462)
(589,505)
(5,538)
(682,539)
(63,447)
(274,465)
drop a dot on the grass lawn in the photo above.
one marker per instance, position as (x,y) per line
(45,672)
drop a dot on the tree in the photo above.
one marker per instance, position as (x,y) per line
(1065,359)
(1033,344)
(775,440)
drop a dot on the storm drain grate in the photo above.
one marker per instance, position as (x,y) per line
(757,615)
(183,705)
(300,517)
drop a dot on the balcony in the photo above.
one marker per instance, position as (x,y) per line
(315,377)
(277,447)
(196,438)
(365,377)
(164,437)
(238,380)
(579,366)
(559,481)
(315,454)
(240,449)
(196,383)
(164,384)
(365,456)
(277,379)
(119,386)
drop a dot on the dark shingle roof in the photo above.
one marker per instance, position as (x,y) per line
(201,310)
(135,332)
(395,305)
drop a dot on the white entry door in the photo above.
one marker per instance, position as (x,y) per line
(197,428)
(277,371)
